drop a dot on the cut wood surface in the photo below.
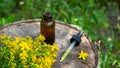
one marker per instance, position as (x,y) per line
(63,34)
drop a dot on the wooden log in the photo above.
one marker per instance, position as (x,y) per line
(63,34)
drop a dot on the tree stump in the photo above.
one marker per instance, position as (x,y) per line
(63,34)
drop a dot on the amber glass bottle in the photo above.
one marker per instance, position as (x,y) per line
(48,28)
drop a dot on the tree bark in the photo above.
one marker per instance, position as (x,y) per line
(63,34)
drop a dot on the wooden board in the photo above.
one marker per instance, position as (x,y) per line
(63,34)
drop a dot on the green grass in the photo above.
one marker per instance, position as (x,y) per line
(89,15)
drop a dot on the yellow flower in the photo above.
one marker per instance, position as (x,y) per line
(38,66)
(24,55)
(24,63)
(25,46)
(26,50)
(34,59)
(17,39)
(13,65)
(4,36)
(42,37)
(54,46)
(83,55)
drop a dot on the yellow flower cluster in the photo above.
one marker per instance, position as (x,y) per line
(83,55)
(21,52)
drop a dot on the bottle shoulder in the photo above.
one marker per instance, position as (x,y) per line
(50,21)
(47,23)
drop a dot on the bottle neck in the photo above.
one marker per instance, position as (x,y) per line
(47,16)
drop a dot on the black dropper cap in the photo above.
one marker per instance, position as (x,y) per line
(47,16)
(77,38)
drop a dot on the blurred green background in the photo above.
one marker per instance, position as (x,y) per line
(98,18)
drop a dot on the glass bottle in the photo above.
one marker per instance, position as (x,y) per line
(48,28)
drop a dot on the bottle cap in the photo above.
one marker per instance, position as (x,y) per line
(76,38)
